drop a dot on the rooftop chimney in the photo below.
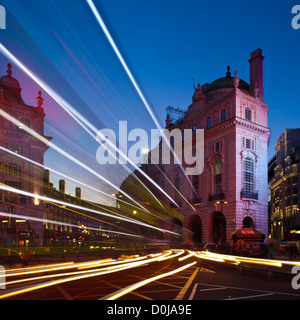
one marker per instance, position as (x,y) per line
(256,74)
(62,184)
(78,192)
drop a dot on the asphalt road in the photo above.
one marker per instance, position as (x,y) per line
(146,278)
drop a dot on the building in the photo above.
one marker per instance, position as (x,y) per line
(69,226)
(285,186)
(16,172)
(232,191)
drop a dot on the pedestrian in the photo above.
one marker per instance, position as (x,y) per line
(295,251)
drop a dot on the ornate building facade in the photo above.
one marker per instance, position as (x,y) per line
(231,192)
(16,172)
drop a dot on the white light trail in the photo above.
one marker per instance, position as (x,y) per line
(133,81)
(18,216)
(80,119)
(25,193)
(68,177)
(65,154)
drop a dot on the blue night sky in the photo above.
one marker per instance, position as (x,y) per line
(166,43)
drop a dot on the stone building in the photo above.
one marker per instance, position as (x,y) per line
(231,192)
(16,172)
(285,186)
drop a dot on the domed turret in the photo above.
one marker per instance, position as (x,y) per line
(226,82)
(11,86)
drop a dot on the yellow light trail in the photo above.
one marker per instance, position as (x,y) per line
(115,266)
(135,286)
(238,259)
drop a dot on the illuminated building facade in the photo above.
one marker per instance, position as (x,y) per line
(285,186)
(232,191)
(18,173)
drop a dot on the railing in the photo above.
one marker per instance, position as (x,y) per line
(249,195)
(216,196)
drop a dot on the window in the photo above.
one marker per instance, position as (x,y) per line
(248,114)
(223,115)
(195,181)
(248,143)
(218,167)
(208,123)
(13,170)
(295,179)
(248,176)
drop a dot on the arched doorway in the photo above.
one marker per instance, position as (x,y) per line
(195,225)
(248,222)
(218,227)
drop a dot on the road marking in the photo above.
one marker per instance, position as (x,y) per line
(187,285)
(63,292)
(246,289)
(193,292)
(206,270)
(212,289)
(120,293)
(250,297)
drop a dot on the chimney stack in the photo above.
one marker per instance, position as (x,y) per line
(46,177)
(62,184)
(256,73)
(78,192)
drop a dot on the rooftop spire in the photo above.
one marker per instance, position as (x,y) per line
(228,73)
(39,99)
(9,72)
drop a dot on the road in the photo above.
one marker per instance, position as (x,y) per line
(173,275)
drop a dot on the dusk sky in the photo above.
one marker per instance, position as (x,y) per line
(165,43)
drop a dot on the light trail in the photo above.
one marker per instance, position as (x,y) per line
(135,286)
(68,177)
(18,216)
(83,122)
(65,154)
(136,86)
(239,259)
(78,275)
(25,193)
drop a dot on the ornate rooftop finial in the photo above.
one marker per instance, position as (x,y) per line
(9,72)
(236,80)
(39,99)
(228,73)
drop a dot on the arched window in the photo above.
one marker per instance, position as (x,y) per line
(218,167)
(248,176)
(208,123)
(248,114)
